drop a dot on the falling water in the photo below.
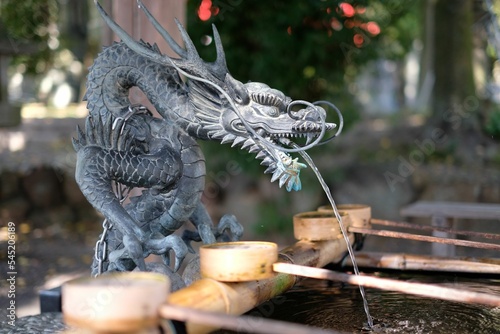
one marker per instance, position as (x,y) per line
(310,162)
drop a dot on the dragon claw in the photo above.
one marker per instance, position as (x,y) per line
(206,234)
(164,246)
(181,250)
(135,252)
(178,262)
(288,173)
(229,223)
(228,229)
(187,237)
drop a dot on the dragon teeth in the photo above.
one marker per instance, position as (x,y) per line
(309,138)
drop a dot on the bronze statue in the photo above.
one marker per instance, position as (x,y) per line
(124,146)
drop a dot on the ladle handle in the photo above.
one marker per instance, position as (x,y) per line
(419,289)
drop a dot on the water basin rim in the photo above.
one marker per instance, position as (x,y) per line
(319,215)
(344,207)
(122,277)
(240,245)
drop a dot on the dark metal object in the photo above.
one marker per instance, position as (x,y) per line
(126,145)
(50,300)
(402,261)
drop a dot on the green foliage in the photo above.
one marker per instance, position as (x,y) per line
(30,23)
(272,219)
(309,49)
(492,127)
(306,49)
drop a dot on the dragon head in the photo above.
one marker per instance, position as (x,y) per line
(261,120)
(251,115)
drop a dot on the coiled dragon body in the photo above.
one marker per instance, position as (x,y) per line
(125,145)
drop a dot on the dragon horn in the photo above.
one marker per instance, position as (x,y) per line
(127,39)
(166,36)
(219,66)
(192,54)
(189,56)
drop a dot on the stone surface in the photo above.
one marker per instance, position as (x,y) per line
(50,322)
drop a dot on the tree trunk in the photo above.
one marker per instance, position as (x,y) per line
(454,103)
(130,17)
(127,14)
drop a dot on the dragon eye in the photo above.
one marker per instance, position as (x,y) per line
(273,112)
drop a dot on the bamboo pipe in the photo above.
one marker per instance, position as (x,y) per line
(239,323)
(418,237)
(423,262)
(238,298)
(418,289)
(434,228)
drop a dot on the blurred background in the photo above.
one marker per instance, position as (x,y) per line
(417,83)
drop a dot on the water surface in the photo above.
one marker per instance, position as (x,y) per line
(340,307)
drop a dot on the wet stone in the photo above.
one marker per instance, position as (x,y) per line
(51,322)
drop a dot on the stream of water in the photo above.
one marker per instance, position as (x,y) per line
(310,162)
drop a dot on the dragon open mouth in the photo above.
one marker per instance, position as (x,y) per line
(307,129)
(280,163)
(272,139)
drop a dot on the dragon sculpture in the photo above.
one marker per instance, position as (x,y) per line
(124,146)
